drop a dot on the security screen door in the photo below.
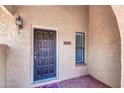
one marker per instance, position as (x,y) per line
(44,54)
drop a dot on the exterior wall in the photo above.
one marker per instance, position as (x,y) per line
(3,50)
(15,51)
(119,12)
(104,46)
(68,19)
(10,8)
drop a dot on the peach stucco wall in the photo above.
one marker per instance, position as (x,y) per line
(8,9)
(3,54)
(119,12)
(104,46)
(102,54)
(68,20)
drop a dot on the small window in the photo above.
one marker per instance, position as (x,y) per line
(80,38)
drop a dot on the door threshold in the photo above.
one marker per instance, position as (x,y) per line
(44,80)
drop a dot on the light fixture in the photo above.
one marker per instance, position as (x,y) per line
(19,22)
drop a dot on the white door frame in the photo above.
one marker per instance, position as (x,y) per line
(32,50)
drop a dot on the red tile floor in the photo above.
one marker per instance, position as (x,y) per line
(82,82)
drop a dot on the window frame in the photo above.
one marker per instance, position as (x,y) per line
(83,48)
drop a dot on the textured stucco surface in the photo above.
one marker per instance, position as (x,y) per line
(68,19)
(18,60)
(10,9)
(3,54)
(104,46)
(104,61)
(119,12)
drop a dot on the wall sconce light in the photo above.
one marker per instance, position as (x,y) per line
(19,22)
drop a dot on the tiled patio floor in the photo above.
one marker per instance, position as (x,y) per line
(82,82)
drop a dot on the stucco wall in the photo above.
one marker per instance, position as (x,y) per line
(10,9)
(3,54)
(17,53)
(119,12)
(104,46)
(68,19)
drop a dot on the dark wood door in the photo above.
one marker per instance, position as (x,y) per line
(44,54)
